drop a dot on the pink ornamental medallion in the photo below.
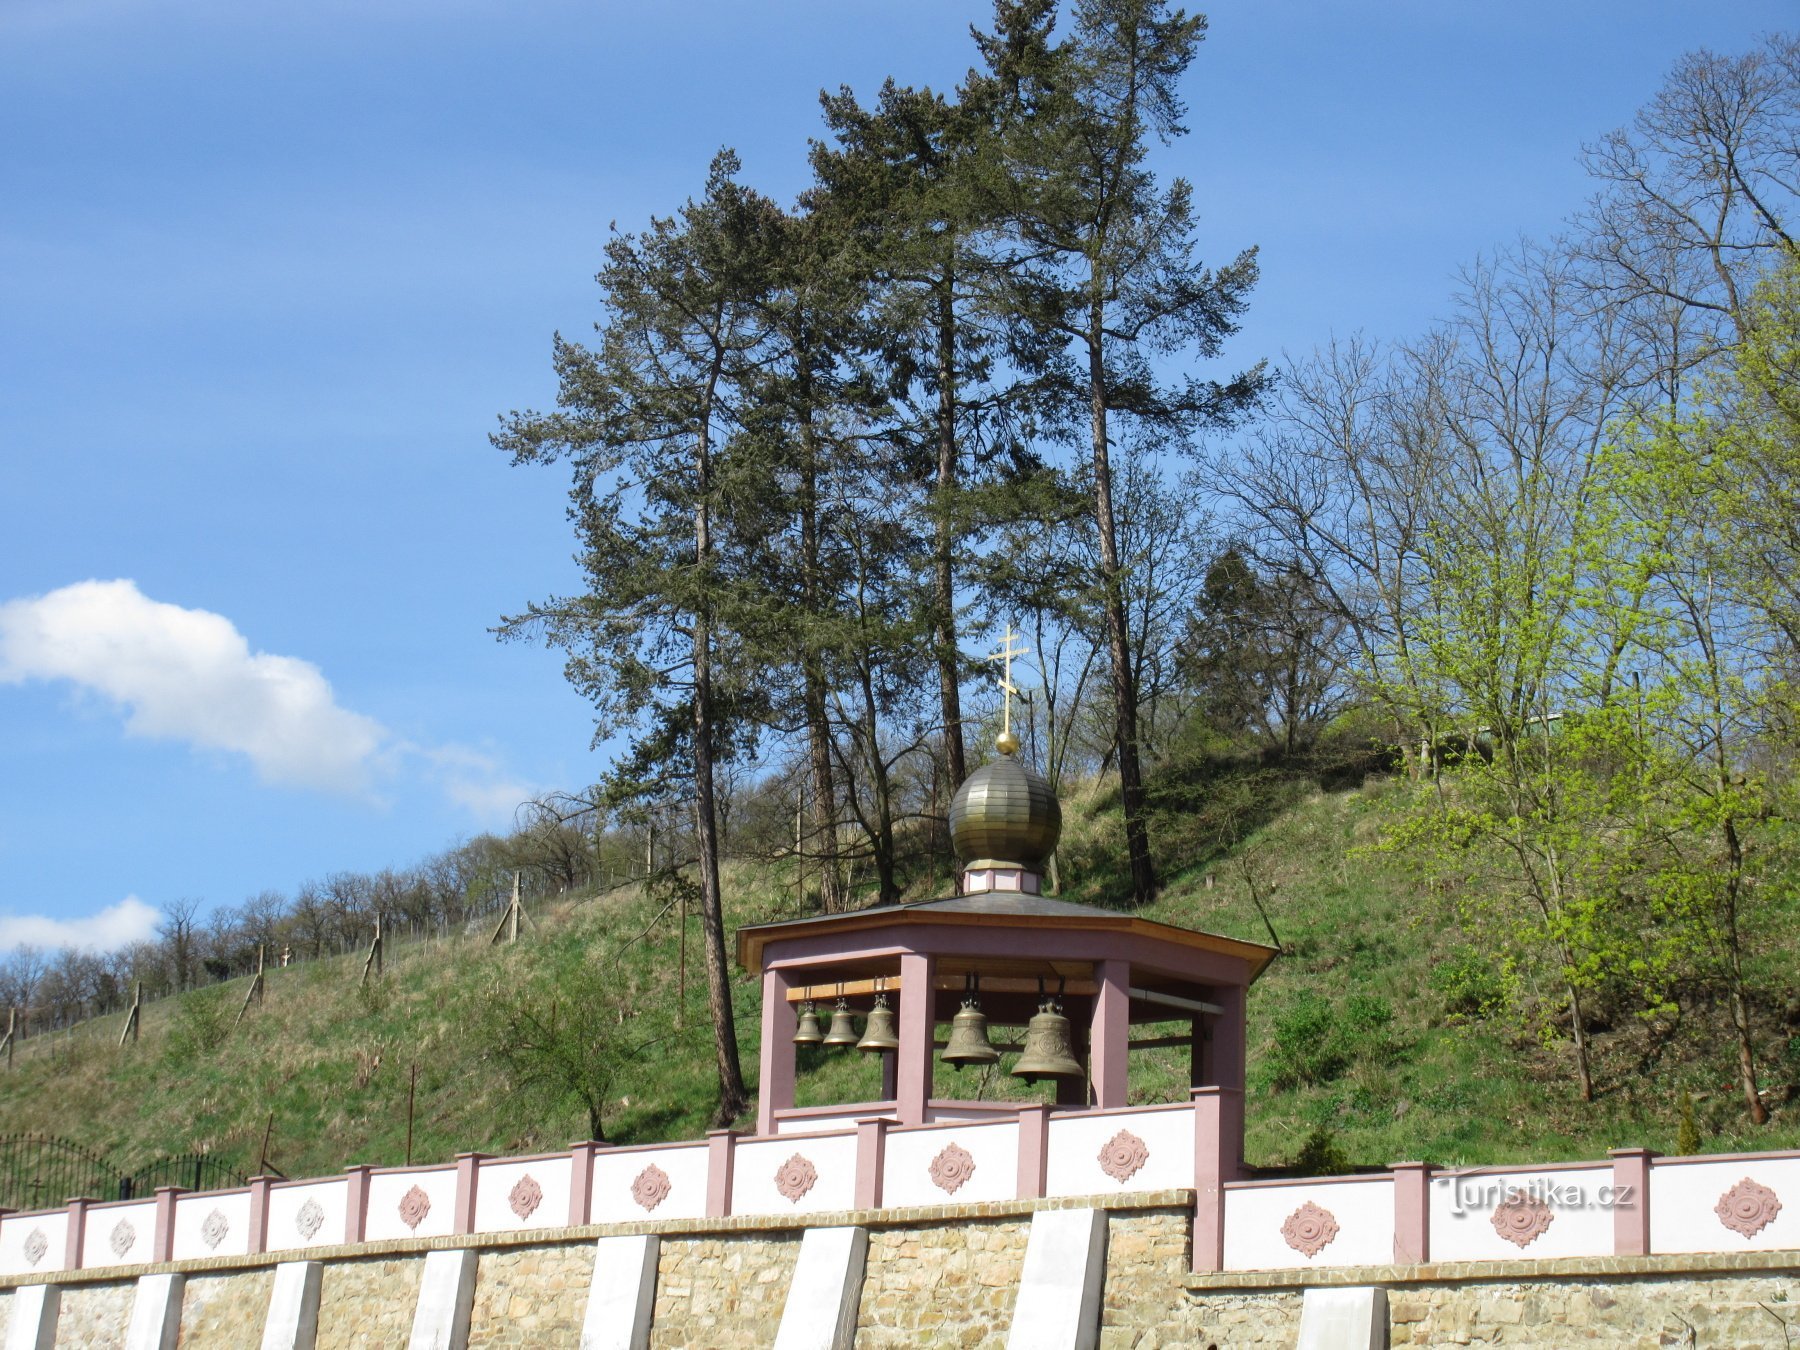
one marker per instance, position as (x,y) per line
(1309,1229)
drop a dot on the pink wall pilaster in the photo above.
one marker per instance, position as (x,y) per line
(1110,1037)
(1412,1213)
(1218,1150)
(912,1087)
(162,1234)
(78,1212)
(581,1181)
(467,1176)
(1226,1060)
(356,1202)
(871,1157)
(1631,1220)
(1034,1150)
(775,1090)
(259,1214)
(721,1151)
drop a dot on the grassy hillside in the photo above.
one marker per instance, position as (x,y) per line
(1356,1041)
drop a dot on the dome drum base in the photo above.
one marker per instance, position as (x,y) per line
(986,874)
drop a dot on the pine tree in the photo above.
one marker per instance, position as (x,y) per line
(1103,277)
(644,421)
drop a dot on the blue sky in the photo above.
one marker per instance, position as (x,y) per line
(269,271)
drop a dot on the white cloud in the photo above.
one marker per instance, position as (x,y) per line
(116,926)
(476,782)
(189,675)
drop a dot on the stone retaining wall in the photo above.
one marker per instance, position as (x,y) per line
(949,1276)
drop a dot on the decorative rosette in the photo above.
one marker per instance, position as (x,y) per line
(1748,1207)
(525,1196)
(951,1168)
(651,1187)
(1521,1218)
(1310,1229)
(1122,1155)
(414,1206)
(795,1177)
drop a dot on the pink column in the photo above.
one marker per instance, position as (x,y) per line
(1218,1147)
(259,1214)
(1225,1062)
(1412,1213)
(1034,1150)
(1631,1201)
(720,1156)
(162,1235)
(1110,1038)
(78,1212)
(775,1090)
(467,1177)
(871,1158)
(356,1203)
(581,1182)
(912,1087)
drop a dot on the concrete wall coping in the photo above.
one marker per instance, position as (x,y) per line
(1491,1272)
(1129,1201)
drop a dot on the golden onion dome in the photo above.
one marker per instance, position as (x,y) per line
(1004,814)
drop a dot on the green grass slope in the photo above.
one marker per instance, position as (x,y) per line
(1357,1056)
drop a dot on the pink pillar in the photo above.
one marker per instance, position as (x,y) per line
(1218,1149)
(78,1213)
(871,1158)
(162,1235)
(1631,1201)
(1110,1038)
(1225,1062)
(720,1156)
(775,1090)
(467,1176)
(356,1203)
(259,1214)
(912,1088)
(581,1182)
(1412,1213)
(1034,1150)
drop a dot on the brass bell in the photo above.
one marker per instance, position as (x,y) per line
(969,1038)
(808,1032)
(878,1031)
(1049,1051)
(843,1026)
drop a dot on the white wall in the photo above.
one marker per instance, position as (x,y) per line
(1581,1222)
(285,1204)
(1073,1163)
(615,1169)
(386,1189)
(906,1176)
(1363,1209)
(1684,1199)
(493,1194)
(14,1232)
(102,1224)
(754,1168)
(191,1214)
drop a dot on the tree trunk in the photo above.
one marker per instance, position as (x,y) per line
(1584,1074)
(943,570)
(1740,1007)
(1118,633)
(732,1096)
(818,724)
(881,836)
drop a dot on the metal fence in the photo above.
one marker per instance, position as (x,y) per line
(39,1171)
(194,1171)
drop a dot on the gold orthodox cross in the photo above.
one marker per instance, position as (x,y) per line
(1011,647)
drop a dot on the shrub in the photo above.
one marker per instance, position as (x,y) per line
(1316,1043)
(202,1024)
